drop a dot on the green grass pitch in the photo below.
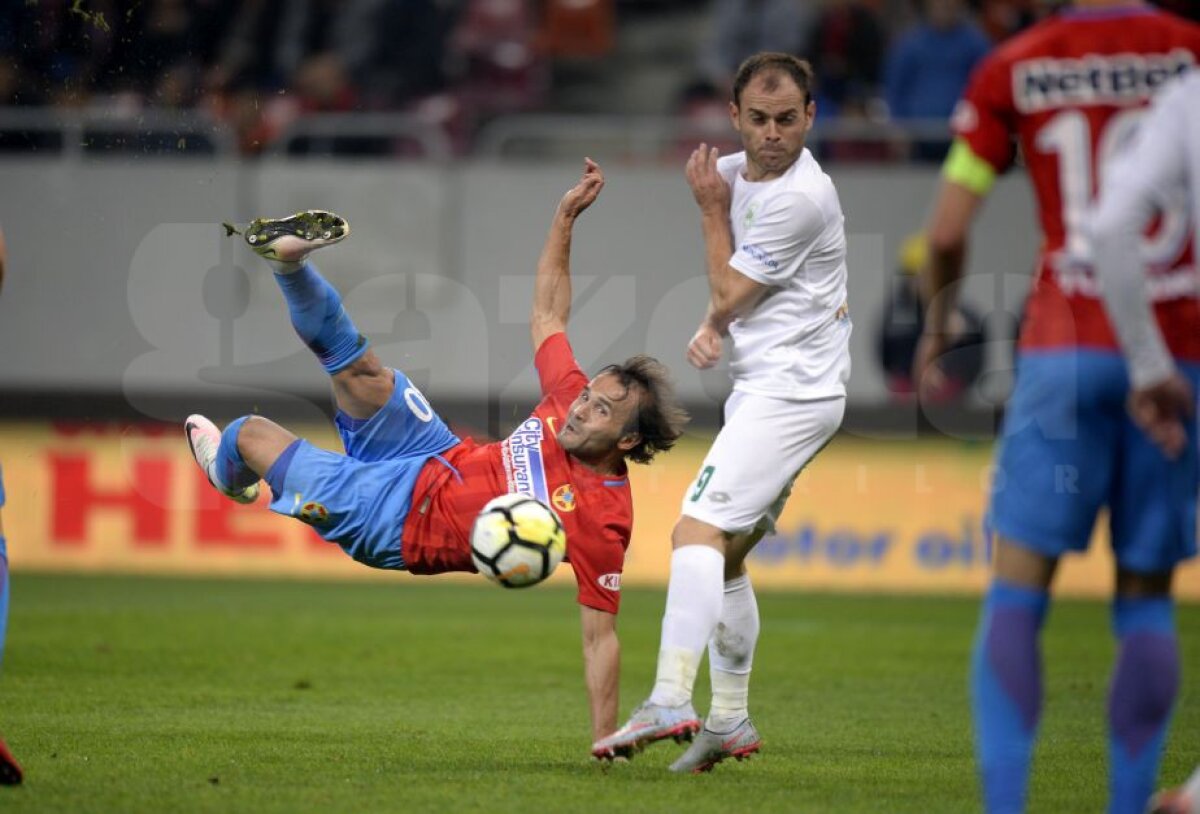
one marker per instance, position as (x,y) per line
(154,695)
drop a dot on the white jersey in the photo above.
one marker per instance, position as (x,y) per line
(1163,157)
(788,234)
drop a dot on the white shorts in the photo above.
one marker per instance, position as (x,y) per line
(747,475)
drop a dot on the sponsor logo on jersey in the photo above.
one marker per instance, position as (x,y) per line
(609,582)
(313,513)
(761,255)
(1117,79)
(523,463)
(719,497)
(564,498)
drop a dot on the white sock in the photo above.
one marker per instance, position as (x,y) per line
(693,608)
(731,654)
(285,266)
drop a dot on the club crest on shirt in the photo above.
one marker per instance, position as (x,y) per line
(564,498)
(313,513)
(751,213)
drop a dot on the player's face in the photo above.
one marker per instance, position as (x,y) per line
(596,424)
(773,120)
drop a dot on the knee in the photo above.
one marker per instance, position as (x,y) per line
(365,367)
(690,531)
(252,430)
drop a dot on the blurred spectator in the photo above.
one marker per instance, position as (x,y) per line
(1003,18)
(498,66)
(245,58)
(845,48)
(577,29)
(346,54)
(60,50)
(744,27)
(928,68)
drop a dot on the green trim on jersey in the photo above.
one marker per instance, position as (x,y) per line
(963,167)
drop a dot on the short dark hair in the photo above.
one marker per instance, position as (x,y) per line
(659,418)
(774,62)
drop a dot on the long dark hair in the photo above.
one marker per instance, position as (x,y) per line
(660,417)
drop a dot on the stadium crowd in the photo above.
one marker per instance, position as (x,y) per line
(258,64)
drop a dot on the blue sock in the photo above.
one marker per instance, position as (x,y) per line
(319,318)
(1144,685)
(1006,692)
(230,469)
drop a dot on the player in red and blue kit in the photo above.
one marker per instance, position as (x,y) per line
(10,770)
(1069,92)
(405,494)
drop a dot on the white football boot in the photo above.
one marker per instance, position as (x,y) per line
(649,723)
(204,438)
(292,239)
(710,748)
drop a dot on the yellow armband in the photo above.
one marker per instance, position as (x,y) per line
(965,168)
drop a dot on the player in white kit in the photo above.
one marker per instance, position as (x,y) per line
(775,251)
(1158,168)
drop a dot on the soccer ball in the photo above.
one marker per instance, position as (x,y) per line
(517,541)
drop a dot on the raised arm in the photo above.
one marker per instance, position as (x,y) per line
(552,287)
(731,293)
(601,667)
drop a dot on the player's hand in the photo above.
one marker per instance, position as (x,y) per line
(708,187)
(704,351)
(583,194)
(1161,410)
(929,380)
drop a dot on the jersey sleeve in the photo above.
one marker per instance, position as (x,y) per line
(985,118)
(779,240)
(558,372)
(598,560)
(1154,160)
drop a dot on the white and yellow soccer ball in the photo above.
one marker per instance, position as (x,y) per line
(517,541)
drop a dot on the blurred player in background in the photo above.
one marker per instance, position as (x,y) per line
(407,491)
(1163,158)
(776,259)
(10,770)
(1070,90)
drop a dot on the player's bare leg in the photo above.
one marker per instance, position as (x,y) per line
(363,388)
(361,384)
(236,459)
(694,601)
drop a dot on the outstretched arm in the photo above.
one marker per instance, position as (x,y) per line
(601,667)
(552,287)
